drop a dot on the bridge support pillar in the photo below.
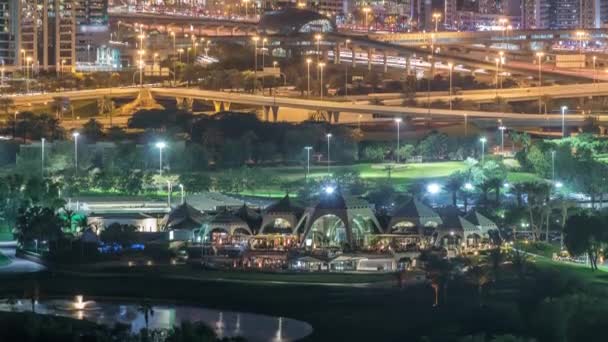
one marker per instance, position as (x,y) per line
(233,31)
(266,112)
(337,54)
(369,59)
(325,55)
(353,49)
(275,113)
(336,116)
(217,105)
(408,65)
(385,62)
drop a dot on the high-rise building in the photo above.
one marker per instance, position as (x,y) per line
(9,24)
(563,14)
(47,34)
(92,29)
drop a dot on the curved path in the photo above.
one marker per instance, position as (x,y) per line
(17,265)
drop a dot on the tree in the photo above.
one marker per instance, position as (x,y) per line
(92,129)
(585,233)
(438,272)
(37,224)
(434,146)
(478,275)
(495,257)
(195,182)
(123,234)
(454,185)
(7,104)
(146,308)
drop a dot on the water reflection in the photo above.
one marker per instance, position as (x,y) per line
(226,323)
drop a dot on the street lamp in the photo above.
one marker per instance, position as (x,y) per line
(181,188)
(308,61)
(553,166)
(497,61)
(450,66)
(321,65)
(502,129)
(318,38)
(328,135)
(436,18)
(160,145)
(307,148)
(564,109)
(75,135)
(398,122)
(483,141)
(345,70)
(42,156)
(28,60)
(540,55)
(245,4)
(274,65)
(255,57)
(264,40)
(366,10)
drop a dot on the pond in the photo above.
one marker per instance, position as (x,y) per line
(253,327)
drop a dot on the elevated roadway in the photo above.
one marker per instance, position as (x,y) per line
(275,103)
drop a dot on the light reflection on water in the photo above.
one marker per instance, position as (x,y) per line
(253,327)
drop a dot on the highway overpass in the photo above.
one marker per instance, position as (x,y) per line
(272,105)
(334,108)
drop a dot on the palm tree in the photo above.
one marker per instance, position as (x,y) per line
(520,261)
(519,189)
(478,276)
(438,272)
(7,103)
(495,183)
(484,187)
(146,308)
(453,185)
(496,258)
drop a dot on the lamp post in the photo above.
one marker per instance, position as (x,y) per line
(141,68)
(483,141)
(366,10)
(160,145)
(245,4)
(540,55)
(308,61)
(28,60)
(398,122)
(318,38)
(264,40)
(174,60)
(594,70)
(307,148)
(328,135)
(502,129)
(501,61)
(255,59)
(75,135)
(274,65)
(181,188)
(553,166)
(496,60)
(345,70)
(564,109)
(321,65)
(450,66)
(42,156)
(169,193)
(436,18)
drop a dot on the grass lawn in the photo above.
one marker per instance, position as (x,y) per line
(401,176)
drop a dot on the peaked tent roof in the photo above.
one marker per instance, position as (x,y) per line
(184,216)
(416,209)
(284,205)
(480,220)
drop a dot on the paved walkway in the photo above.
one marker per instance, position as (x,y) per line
(17,265)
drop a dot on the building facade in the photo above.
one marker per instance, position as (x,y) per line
(9,24)
(92,29)
(47,34)
(563,14)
